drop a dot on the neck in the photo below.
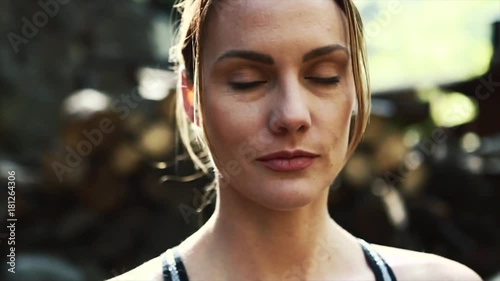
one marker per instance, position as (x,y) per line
(256,242)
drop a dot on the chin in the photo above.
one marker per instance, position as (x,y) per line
(284,195)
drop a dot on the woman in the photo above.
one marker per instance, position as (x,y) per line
(273,86)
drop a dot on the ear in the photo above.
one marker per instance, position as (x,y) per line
(187,95)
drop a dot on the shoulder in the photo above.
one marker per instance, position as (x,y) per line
(412,265)
(148,271)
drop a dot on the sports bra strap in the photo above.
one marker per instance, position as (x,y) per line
(173,267)
(380,268)
(174,270)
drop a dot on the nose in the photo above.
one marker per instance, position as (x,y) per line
(290,111)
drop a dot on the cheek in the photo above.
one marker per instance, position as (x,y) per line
(338,132)
(226,127)
(337,121)
(217,123)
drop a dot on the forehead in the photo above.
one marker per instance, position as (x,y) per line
(272,24)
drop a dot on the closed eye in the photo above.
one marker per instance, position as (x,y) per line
(245,85)
(324,80)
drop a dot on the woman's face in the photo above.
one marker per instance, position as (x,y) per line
(277,96)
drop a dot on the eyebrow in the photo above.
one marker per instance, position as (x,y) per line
(323,51)
(248,55)
(266,59)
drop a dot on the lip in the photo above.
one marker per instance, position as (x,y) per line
(288,161)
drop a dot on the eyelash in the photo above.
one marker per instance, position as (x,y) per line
(246,85)
(249,85)
(325,80)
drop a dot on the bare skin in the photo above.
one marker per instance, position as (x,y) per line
(407,265)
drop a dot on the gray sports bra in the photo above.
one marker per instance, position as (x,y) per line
(174,270)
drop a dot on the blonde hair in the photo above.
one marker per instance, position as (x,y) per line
(186,55)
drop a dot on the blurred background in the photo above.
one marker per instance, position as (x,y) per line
(104,184)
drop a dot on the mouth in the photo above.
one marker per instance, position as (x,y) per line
(288,161)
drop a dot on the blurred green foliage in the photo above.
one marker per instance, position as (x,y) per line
(437,41)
